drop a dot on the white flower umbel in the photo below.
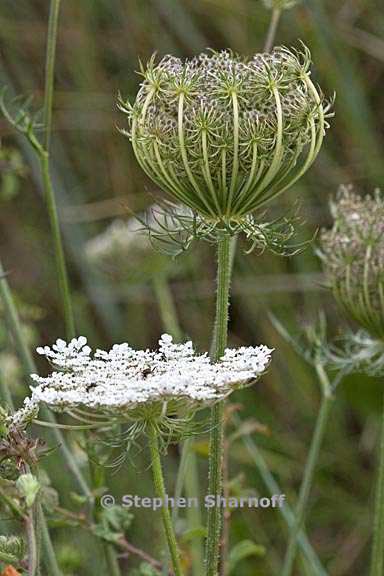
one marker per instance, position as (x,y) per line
(142,383)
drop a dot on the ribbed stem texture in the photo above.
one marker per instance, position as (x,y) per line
(215,486)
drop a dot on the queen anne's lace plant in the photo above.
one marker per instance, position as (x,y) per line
(353,257)
(224,134)
(124,383)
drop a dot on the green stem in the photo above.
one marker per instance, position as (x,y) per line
(97,475)
(167,307)
(50,70)
(377,563)
(158,481)
(50,561)
(306,485)
(194,513)
(58,246)
(43,535)
(44,157)
(275,19)
(286,511)
(112,562)
(215,483)
(31,543)
(188,479)
(187,474)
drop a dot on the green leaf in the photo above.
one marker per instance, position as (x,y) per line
(113,523)
(243,550)
(194,533)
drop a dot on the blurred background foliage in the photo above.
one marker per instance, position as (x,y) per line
(97,179)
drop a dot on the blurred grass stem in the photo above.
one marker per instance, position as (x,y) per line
(187,474)
(271,34)
(377,560)
(220,336)
(167,307)
(313,457)
(286,511)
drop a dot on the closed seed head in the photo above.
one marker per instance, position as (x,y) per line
(225,134)
(353,256)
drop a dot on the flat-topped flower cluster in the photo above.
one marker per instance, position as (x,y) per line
(122,379)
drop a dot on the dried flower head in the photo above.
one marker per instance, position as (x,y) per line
(128,384)
(353,256)
(224,134)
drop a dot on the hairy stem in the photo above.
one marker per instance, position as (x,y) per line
(215,483)
(306,485)
(159,485)
(377,563)
(31,543)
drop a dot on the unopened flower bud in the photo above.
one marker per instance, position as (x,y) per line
(28,487)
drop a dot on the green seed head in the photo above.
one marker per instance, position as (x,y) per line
(353,255)
(224,134)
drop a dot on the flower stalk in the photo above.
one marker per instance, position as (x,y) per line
(159,485)
(215,484)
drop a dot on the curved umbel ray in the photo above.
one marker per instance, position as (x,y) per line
(235,161)
(184,156)
(206,171)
